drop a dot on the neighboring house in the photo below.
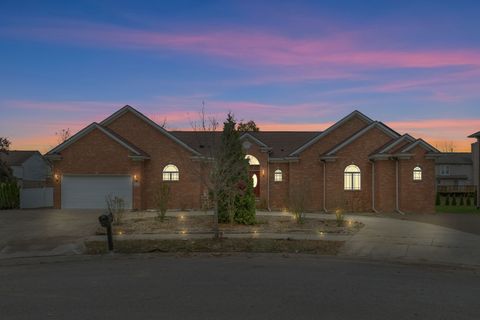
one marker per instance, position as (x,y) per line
(454,171)
(476,163)
(358,164)
(33,174)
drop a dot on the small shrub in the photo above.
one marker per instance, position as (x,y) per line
(339,217)
(462,201)
(116,208)
(9,195)
(437,199)
(454,201)
(297,205)
(447,200)
(469,201)
(162,198)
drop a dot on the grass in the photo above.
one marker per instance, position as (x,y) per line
(219,245)
(457,209)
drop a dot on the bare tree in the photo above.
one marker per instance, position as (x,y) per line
(446,146)
(63,135)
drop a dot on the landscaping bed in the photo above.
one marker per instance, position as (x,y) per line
(184,224)
(218,246)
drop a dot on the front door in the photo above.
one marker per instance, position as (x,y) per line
(255,174)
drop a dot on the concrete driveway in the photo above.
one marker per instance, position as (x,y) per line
(393,239)
(45,232)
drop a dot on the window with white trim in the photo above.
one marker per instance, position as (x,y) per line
(171,173)
(278,176)
(352,178)
(417,173)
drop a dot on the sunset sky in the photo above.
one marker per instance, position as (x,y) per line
(288,65)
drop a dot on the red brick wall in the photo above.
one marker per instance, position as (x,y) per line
(94,153)
(355,153)
(417,196)
(308,172)
(385,185)
(184,193)
(279,190)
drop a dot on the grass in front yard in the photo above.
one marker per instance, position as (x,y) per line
(457,209)
(219,245)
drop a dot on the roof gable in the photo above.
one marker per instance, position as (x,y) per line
(135,150)
(355,113)
(152,123)
(360,133)
(420,143)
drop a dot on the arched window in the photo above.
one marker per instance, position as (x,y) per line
(252,160)
(352,178)
(171,173)
(417,173)
(278,177)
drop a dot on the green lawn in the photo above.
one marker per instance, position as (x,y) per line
(457,209)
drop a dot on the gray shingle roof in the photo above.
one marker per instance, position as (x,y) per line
(454,158)
(282,143)
(16,157)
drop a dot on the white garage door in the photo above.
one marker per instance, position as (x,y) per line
(89,192)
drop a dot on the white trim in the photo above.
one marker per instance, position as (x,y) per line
(355,113)
(396,142)
(248,135)
(422,143)
(85,131)
(127,108)
(374,124)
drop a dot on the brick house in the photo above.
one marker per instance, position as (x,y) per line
(358,164)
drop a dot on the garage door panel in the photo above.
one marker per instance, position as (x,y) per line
(89,192)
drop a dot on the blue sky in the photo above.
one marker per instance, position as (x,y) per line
(287,65)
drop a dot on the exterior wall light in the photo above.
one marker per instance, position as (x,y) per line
(135,178)
(57,177)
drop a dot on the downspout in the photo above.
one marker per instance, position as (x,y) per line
(373,186)
(397,206)
(268,182)
(324,186)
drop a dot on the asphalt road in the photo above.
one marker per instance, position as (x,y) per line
(233,287)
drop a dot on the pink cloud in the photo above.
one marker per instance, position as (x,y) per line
(252,47)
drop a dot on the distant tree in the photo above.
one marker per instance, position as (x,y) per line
(446,146)
(63,135)
(249,126)
(5,171)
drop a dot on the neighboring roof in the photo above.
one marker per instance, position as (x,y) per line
(355,113)
(455,158)
(360,133)
(17,157)
(140,115)
(135,150)
(280,143)
(475,135)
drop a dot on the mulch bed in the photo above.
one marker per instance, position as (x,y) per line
(199,224)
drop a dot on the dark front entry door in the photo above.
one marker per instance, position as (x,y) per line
(255,175)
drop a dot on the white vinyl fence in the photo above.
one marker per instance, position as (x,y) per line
(36,198)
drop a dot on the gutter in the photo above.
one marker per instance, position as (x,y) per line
(397,206)
(373,187)
(324,186)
